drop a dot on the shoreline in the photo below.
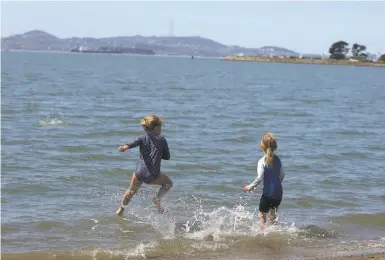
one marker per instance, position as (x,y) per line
(358,256)
(303,61)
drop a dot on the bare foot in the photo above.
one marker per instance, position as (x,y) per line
(157,205)
(119,211)
(274,221)
(160,210)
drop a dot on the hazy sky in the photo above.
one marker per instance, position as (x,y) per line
(303,26)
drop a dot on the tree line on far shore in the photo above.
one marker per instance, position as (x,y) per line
(339,50)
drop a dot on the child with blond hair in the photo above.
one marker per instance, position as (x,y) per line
(271,173)
(153,148)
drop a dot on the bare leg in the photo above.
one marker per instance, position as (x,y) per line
(262,220)
(273,216)
(166,185)
(134,187)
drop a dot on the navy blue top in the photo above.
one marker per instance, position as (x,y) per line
(271,178)
(272,186)
(153,148)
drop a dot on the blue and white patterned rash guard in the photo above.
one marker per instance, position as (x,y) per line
(271,178)
(153,148)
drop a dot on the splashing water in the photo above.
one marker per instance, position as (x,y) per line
(207,230)
(53,119)
(216,225)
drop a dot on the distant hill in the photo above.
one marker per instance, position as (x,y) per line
(172,45)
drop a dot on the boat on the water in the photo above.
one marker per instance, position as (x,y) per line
(119,50)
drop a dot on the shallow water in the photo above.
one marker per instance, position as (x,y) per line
(64,115)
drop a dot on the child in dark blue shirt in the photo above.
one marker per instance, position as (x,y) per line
(271,172)
(153,148)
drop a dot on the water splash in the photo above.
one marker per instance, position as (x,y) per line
(53,119)
(138,251)
(206,224)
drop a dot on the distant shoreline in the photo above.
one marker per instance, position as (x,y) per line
(302,61)
(232,58)
(182,56)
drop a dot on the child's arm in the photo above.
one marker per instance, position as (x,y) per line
(258,180)
(166,151)
(133,144)
(282,174)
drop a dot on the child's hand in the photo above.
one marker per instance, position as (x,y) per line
(245,188)
(123,148)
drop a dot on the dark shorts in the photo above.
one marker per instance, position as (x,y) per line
(267,203)
(146,178)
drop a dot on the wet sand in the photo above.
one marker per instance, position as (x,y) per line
(374,256)
(43,256)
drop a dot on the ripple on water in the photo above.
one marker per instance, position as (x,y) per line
(366,220)
(61,168)
(75,149)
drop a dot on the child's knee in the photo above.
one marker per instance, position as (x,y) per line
(168,185)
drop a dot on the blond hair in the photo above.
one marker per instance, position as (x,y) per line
(269,145)
(150,122)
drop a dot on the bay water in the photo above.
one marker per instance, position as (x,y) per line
(64,115)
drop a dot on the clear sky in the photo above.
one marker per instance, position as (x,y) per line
(303,26)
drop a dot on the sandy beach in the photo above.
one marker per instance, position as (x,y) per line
(373,256)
